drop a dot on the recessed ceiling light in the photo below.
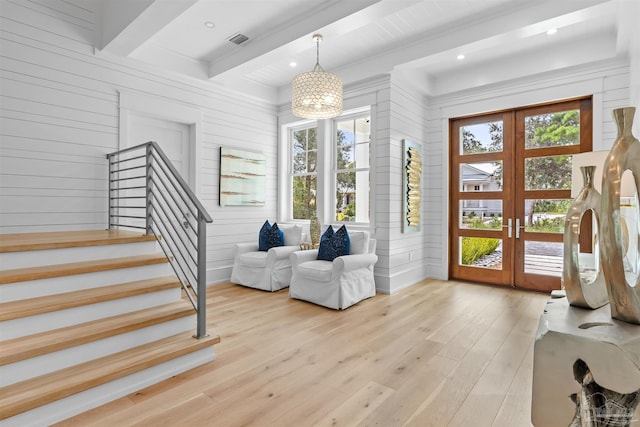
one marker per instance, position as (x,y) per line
(293,64)
(552,31)
(209,24)
(461,56)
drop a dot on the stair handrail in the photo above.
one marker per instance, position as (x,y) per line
(160,216)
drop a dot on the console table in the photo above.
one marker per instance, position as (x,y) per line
(610,348)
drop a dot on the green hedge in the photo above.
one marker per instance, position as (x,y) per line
(476,247)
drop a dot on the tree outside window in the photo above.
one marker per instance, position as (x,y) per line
(541,173)
(304,160)
(352,142)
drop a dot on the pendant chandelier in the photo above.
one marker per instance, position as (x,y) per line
(316,94)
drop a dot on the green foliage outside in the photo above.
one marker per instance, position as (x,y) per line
(541,173)
(305,154)
(347,214)
(494,223)
(552,207)
(474,248)
(553,172)
(547,225)
(345,181)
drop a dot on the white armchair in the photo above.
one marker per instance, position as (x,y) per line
(336,284)
(267,270)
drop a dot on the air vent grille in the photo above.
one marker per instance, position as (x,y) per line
(238,39)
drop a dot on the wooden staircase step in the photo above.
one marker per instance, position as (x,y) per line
(57,270)
(68,239)
(26,395)
(49,303)
(18,349)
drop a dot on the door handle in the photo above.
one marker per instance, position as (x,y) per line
(509,228)
(518,226)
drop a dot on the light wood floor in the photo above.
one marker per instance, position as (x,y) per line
(435,354)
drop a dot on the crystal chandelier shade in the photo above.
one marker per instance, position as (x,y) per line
(316,94)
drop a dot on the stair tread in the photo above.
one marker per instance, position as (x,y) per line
(57,270)
(26,347)
(68,239)
(35,392)
(44,304)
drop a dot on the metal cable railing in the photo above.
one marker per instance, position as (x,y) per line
(146,192)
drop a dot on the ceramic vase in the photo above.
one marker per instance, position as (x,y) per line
(624,297)
(583,290)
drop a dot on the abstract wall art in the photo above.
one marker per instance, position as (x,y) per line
(242,177)
(412,189)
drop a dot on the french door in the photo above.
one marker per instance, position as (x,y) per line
(510,176)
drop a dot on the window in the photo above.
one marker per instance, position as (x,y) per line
(351,167)
(325,168)
(303,170)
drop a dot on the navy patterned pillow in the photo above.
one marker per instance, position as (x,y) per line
(262,236)
(333,245)
(273,237)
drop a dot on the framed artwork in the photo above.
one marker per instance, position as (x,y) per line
(411,184)
(242,177)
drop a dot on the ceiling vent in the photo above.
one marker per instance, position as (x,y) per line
(238,39)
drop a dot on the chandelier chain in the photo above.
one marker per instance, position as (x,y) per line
(318,67)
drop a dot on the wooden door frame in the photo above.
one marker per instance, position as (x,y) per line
(505,275)
(584,105)
(160,108)
(513,252)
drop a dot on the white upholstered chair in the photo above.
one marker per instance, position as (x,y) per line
(336,284)
(267,270)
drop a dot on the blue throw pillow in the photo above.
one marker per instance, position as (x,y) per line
(270,236)
(262,236)
(333,245)
(275,237)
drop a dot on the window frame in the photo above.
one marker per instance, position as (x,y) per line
(352,116)
(291,174)
(325,200)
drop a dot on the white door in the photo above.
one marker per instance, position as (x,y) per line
(172,137)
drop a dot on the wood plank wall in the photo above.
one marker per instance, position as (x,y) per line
(59,117)
(402,254)
(608,83)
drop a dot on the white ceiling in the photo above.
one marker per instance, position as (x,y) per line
(418,39)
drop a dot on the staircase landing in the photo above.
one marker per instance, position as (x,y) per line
(68,239)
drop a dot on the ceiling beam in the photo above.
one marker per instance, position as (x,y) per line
(539,61)
(292,35)
(490,29)
(127,25)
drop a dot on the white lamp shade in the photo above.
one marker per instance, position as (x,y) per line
(316,95)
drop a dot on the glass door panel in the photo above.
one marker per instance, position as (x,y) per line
(480,252)
(479,226)
(511,174)
(483,137)
(547,137)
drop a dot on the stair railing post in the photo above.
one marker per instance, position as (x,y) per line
(202,278)
(109,191)
(148,184)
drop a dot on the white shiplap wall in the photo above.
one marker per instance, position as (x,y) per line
(401,255)
(59,117)
(397,113)
(607,82)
